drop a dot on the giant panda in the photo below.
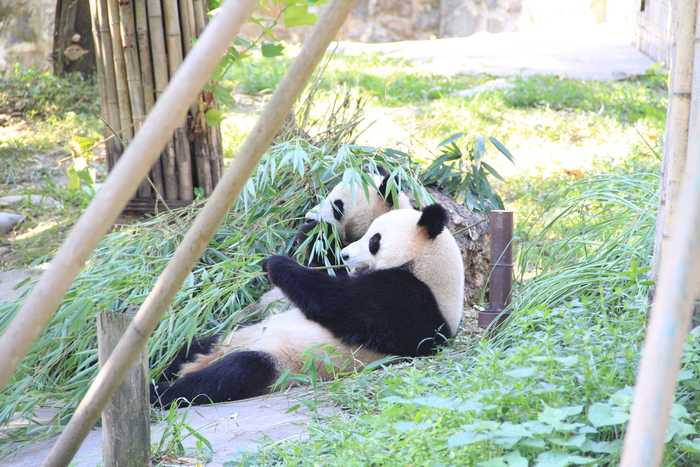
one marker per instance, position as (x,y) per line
(404,298)
(351,216)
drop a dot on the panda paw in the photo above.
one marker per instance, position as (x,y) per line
(276,266)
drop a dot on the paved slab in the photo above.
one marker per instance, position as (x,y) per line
(231,428)
(601,52)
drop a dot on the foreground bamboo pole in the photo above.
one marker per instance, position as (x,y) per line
(120,185)
(676,137)
(204,227)
(676,290)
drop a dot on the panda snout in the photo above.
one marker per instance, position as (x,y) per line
(346,256)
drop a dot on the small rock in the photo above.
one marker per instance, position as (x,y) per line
(39,200)
(8,221)
(4,250)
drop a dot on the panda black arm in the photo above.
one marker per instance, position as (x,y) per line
(389,311)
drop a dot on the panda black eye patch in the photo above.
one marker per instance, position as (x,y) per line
(338,208)
(374,243)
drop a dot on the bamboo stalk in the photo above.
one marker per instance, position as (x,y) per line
(101,78)
(186,32)
(676,134)
(127,28)
(120,71)
(144,49)
(678,267)
(183,159)
(202,162)
(114,147)
(160,78)
(211,216)
(216,155)
(200,17)
(167,160)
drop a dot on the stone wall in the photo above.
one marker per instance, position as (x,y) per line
(656,24)
(26,33)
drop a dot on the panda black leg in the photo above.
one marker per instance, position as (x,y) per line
(238,375)
(198,346)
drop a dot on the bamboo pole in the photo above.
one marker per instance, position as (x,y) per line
(676,133)
(187,32)
(678,270)
(183,158)
(211,216)
(160,78)
(120,71)
(120,185)
(127,28)
(200,17)
(114,147)
(99,62)
(147,79)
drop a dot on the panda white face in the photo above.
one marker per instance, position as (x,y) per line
(392,240)
(352,213)
(421,241)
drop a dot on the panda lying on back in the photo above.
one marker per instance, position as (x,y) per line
(404,299)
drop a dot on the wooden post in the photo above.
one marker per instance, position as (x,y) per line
(126,424)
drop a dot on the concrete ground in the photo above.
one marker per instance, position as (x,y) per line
(597,52)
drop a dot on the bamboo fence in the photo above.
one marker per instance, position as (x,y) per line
(140,45)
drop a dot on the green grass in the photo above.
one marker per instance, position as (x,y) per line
(552,387)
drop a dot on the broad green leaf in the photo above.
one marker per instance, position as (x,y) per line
(512,459)
(600,414)
(572,442)
(561,459)
(567,361)
(298,15)
(403,427)
(271,49)
(523,372)
(213,117)
(466,438)
(690,446)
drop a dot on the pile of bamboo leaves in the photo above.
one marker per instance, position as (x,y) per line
(292,177)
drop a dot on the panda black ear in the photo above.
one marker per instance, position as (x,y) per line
(389,196)
(434,218)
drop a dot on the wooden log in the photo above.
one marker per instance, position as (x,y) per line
(126,424)
(120,72)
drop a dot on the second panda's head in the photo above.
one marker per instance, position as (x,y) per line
(352,215)
(421,241)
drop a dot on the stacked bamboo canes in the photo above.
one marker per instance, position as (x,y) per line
(140,45)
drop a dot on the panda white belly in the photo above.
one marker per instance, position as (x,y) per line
(287,337)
